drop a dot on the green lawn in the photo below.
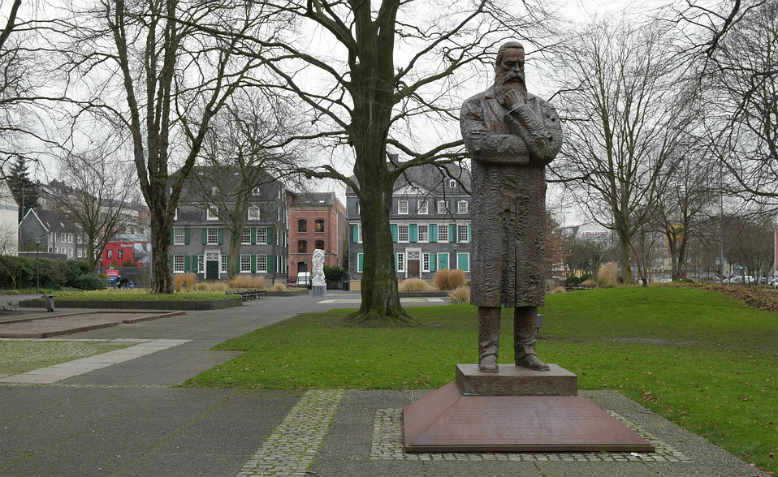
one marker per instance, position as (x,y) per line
(140,294)
(21,356)
(697,357)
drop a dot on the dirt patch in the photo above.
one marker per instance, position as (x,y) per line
(761,298)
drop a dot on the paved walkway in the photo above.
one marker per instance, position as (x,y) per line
(128,418)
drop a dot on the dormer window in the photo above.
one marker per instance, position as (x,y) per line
(423,207)
(402,207)
(452,184)
(255,192)
(214,190)
(253,213)
(212,213)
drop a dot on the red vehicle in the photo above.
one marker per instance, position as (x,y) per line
(122,254)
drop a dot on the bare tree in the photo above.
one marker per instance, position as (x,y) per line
(624,117)
(169,78)
(97,193)
(240,143)
(385,64)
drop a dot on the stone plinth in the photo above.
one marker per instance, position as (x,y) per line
(515,381)
(318,290)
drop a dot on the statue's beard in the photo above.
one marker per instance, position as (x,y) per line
(510,81)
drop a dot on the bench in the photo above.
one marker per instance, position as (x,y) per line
(246,295)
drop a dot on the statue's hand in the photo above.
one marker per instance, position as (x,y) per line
(511,98)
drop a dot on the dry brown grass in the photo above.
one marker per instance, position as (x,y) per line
(460,294)
(184,281)
(449,279)
(589,283)
(246,281)
(210,286)
(414,285)
(556,290)
(607,275)
(279,287)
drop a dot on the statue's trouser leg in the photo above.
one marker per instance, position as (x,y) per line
(488,338)
(524,335)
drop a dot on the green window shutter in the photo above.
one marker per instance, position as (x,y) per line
(227,258)
(360,262)
(432,262)
(433,233)
(253,235)
(187,267)
(413,233)
(469,233)
(354,233)
(194,263)
(393,228)
(172,264)
(253,264)
(270,240)
(270,260)
(452,233)
(463,262)
(172,236)
(204,235)
(443,261)
(221,236)
(186,236)
(395,262)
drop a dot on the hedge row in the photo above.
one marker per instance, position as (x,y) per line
(20,272)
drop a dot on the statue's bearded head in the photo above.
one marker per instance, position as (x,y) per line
(509,69)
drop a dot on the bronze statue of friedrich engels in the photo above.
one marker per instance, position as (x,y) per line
(511,136)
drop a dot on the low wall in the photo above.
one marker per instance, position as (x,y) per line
(137,305)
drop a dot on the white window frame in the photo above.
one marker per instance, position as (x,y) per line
(176,267)
(425,262)
(247,259)
(212,213)
(175,214)
(401,262)
(200,264)
(256,192)
(461,227)
(214,190)
(223,263)
(425,237)
(443,227)
(402,207)
(261,263)
(253,208)
(442,207)
(422,207)
(462,207)
(400,233)
(359,233)
(452,184)
(208,236)
(261,239)
(179,240)
(245,236)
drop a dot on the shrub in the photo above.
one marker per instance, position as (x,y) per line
(89,281)
(74,270)
(607,275)
(246,281)
(556,290)
(414,285)
(279,287)
(184,281)
(213,286)
(589,283)
(460,294)
(334,274)
(449,279)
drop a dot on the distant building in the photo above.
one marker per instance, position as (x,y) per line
(52,232)
(9,221)
(429,222)
(316,220)
(200,242)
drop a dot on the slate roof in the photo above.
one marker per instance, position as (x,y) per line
(313,199)
(57,221)
(226,179)
(432,178)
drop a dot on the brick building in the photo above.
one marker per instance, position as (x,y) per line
(316,220)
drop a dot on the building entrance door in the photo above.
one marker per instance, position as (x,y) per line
(414,257)
(212,266)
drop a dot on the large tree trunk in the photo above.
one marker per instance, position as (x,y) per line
(626,266)
(162,280)
(235,244)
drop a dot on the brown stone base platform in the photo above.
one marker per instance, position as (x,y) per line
(515,381)
(449,420)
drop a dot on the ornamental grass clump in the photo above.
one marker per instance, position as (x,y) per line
(607,275)
(460,294)
(449,279)
(414,285)
(184,281)
(212,286)
(246,281)
(279,287)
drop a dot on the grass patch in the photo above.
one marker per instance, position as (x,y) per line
(699,358)
(21,356)
(141,294)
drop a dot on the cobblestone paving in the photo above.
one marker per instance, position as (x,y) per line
(387,445)
(290,449)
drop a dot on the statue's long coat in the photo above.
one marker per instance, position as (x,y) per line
(508,200)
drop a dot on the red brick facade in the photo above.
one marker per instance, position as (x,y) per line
(324,227)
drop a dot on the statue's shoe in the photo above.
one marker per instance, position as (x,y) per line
(488,364)
(532,362)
